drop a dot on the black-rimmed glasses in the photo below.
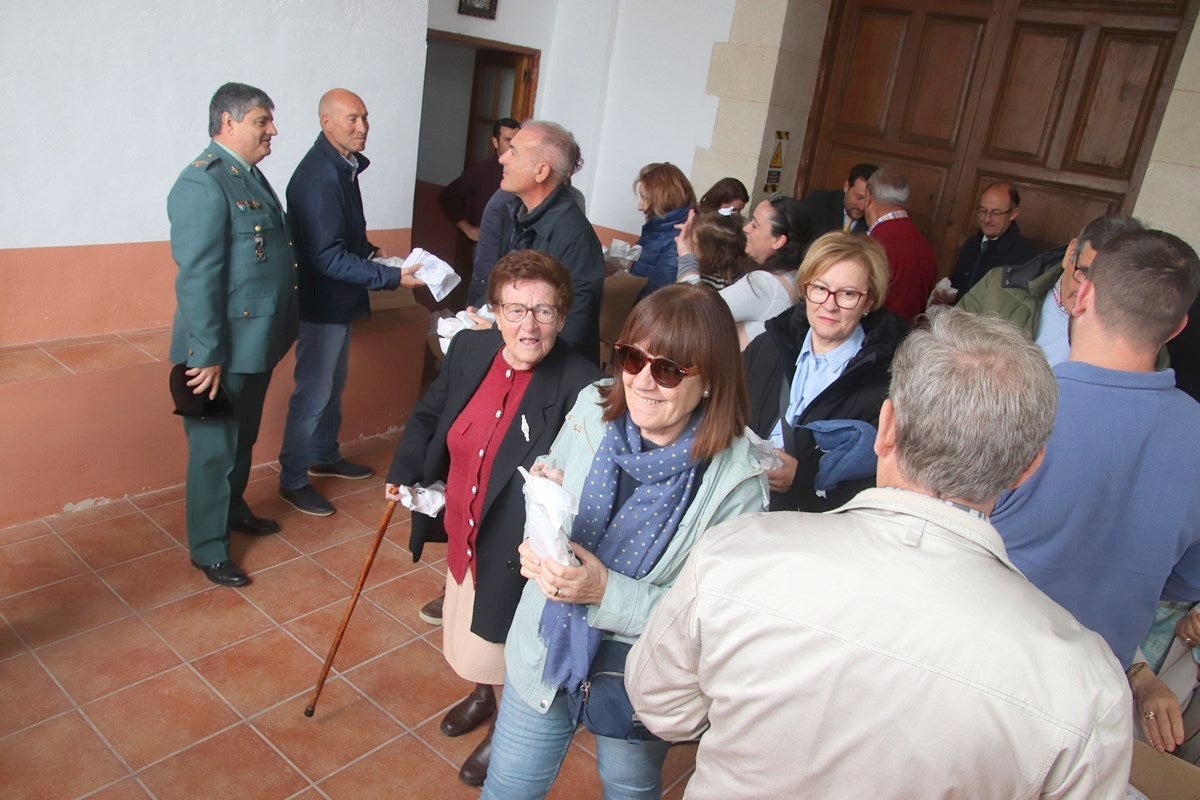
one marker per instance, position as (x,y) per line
(665,372)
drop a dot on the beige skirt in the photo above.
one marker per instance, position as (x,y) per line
(474,658)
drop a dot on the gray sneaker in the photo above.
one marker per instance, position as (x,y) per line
(308,500)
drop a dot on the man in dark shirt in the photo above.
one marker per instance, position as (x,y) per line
(464,200)
(997,243)
(834,210)
(336,270)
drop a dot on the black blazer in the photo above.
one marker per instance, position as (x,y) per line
(826,206)
(423,456)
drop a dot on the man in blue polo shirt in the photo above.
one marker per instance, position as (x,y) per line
(1110,523)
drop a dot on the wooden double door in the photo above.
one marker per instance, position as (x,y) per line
(1062,98)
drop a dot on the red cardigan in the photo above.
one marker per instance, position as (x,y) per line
(911,264)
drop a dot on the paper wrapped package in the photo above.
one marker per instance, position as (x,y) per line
(764,451)
(548,506)
(624,253)
(438,276)
(427,500)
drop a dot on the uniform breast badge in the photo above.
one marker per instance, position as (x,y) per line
(255,205)
(242,205)
(260,253)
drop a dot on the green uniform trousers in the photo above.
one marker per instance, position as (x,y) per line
(219,466)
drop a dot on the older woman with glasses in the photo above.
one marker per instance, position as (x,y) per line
(655,458)
(824,359)
(497,404)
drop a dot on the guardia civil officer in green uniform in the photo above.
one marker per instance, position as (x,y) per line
(236,314)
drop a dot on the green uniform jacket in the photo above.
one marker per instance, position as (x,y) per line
(236,292)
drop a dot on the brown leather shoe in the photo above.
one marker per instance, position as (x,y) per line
(431,612)
(474,769)
(469,714)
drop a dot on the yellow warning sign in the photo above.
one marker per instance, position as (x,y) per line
(777,157)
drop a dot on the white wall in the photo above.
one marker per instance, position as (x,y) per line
(445,111)
(655,107)
(627,77)
(109,101)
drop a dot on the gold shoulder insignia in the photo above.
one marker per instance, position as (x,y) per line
(199,163)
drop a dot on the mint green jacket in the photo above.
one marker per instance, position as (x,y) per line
(237,288)
(732,485)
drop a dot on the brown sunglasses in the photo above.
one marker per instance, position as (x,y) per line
(665,372)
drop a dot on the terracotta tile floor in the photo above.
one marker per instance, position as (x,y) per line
(125,674)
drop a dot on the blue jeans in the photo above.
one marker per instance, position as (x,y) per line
(528,748)
(315,410)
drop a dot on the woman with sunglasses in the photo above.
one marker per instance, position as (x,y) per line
(497,403)
(655,457)
(827,358)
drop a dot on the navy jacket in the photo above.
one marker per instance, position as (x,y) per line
(659,260)
(1009,249)
(559,228)
(827,209)
(325,213)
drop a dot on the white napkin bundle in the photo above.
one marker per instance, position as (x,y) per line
(548,506)
(448,326)
(438,276)
(427,500)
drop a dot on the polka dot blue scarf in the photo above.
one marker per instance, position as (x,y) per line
(630,543)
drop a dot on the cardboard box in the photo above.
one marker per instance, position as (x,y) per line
(1161,776)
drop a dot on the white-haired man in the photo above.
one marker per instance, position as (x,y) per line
(889,648)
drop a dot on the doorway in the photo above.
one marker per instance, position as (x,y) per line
(1061,99)
(469,83)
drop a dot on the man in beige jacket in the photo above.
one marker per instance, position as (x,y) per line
(889,649)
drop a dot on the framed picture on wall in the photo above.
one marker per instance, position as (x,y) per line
(478,8)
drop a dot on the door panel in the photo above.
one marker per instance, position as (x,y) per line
(1062,98)
(946,59)
(866,91)
(1039,65)
(1126,71)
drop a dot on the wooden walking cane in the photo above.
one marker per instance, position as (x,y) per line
(362,579)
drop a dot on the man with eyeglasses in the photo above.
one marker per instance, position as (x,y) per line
(997,242)
(1038,295)
(1110,523)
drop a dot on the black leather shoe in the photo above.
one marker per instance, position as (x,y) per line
(308,500)
(342,469)
(255,526)
(223,573)
(474,769)
(469,714)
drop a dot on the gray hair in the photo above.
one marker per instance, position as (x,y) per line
(238,99)
(974,401)
(1144,282)
(1103,230)
(888,187)
(557,147)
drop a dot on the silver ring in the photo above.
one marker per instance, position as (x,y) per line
(1188,641)
(557,592)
